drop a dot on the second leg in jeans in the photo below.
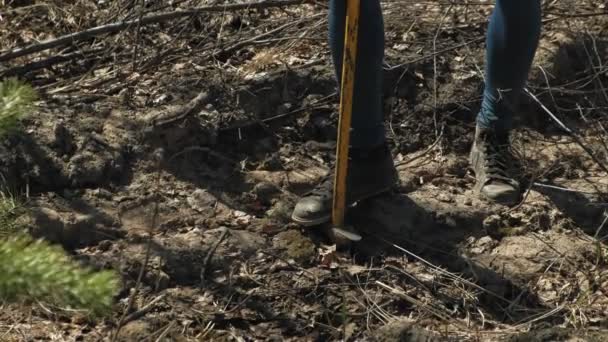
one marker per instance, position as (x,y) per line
(512,40)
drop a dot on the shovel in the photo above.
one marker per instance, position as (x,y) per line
(344,125)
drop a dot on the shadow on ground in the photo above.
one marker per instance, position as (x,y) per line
(398,225)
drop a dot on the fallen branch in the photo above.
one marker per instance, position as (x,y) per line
(152,19)
(252,40)
(143,311)
(169,117)
(442,316)
(123,318)
(539,317)
(209,150)
(559,188)
(320,103)
(423,153)
(450,275)
(210,255)
(435,53)
(51,61)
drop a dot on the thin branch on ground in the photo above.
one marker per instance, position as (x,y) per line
(137,36)
(51,61)
(439,28)
(423,153)
(203,149)
(209,255)
(153,19)
(559,188)
(443,316)
(436,53)
(529,187)
(569,131)
(450,275)
(253,40)
(142,270)
(143,311)
(599,229)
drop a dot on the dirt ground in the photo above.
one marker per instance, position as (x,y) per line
(181,146)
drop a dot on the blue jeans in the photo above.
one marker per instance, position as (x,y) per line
(512,39)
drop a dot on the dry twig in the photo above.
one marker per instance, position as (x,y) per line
(143,311)
(122,25)
(123,319)
(569,131)
(210,253)
(420,304)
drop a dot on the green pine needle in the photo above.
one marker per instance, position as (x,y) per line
(10,211)
(16,99)
(35,270)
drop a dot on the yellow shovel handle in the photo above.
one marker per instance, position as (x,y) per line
(346,106)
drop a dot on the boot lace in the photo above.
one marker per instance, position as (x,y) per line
(497,159)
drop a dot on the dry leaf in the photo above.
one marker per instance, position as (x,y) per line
(328,257)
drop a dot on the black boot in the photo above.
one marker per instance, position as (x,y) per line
(370,172)
(493,164)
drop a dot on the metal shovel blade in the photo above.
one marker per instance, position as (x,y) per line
(346,233)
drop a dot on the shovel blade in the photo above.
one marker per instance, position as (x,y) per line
(346,233)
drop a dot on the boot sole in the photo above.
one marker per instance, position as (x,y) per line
(327,218)
(504,199)
(311,223)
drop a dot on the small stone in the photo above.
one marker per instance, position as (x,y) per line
(162,99)
(280,211)
(484,244)
(202,201)
(445,198)
(104,245)
(46,223)
(69,194)
(242,218)
(486,240)
(135,331)
(88,168)
(404,330)
(79,319)
(492,222)
(103,193)
(249,242)
(296,245)
(284,108)
(162,281)
(275,338)
(62,139)
(265,190)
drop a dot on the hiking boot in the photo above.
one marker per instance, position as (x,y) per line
(492,162)
(370,172)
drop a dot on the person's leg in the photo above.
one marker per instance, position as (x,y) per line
(367,116)
(512,39)
(371,169)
